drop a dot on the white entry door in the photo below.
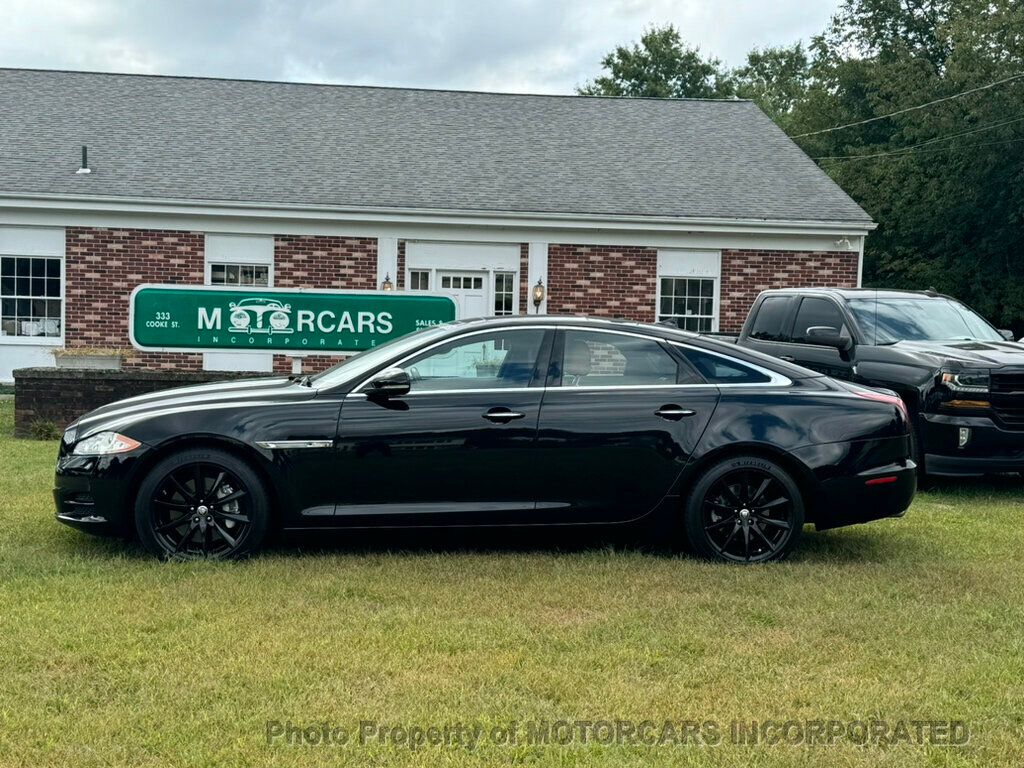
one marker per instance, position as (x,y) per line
(468,288)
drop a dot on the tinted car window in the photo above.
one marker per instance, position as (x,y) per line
(816,312)
(484,361)
(919,319)
(721,370)
(595,359)
(770,318)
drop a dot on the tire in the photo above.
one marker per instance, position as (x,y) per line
(227,519)
(744,509)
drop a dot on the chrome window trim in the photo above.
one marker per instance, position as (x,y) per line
(775,379)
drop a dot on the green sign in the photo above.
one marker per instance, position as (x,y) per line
(168,318)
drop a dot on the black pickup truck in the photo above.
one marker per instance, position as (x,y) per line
(962,380)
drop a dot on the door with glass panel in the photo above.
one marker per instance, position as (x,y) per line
(622,415)
(459,447)
(469,289)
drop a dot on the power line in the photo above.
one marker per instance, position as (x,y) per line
(909,109)
(923,151)
(903,150)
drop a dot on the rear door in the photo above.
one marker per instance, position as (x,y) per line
(770,324)
(621,416)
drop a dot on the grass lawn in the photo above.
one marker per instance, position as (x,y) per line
(110,658)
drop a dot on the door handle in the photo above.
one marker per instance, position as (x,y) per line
(787,358)
(673,412)
(502,415)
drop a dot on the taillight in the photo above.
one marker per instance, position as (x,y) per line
(881,397)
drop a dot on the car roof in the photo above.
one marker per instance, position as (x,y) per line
(861,293)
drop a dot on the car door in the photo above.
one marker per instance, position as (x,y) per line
(621,417)
(817,312)
(459,448)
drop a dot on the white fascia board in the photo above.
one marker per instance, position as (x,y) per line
(380,217)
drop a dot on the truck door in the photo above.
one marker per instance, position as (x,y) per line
(817,312)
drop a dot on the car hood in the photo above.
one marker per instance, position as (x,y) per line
(988,354)
(123,413)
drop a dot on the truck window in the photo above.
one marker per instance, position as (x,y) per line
(817,312)
(770,319)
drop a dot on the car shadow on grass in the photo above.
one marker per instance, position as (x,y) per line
(874,542)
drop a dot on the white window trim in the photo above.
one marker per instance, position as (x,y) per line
(42,242)
(681,264)
(228,256)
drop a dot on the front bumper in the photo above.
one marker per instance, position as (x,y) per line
(90,493)
(989,449)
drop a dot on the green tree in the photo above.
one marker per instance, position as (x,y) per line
(777,79)
(660,66)
(949,203)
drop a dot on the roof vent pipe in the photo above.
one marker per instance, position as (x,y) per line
(85,161)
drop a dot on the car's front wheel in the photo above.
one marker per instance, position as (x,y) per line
(201,503)
(744,509)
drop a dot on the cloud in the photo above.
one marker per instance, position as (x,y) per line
(505,45)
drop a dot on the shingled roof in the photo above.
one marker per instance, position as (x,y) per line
(246,141)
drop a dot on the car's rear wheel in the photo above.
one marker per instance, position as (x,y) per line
(744,509)
(201,504)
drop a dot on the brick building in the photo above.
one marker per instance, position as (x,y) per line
(643,208)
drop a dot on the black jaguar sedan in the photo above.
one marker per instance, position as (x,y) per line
(529,421)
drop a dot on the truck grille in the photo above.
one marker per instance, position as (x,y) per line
(1008,398)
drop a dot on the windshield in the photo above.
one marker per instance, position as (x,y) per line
(919,319)
(363,362)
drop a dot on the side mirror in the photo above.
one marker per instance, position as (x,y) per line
(827,336)
(392,382)
(1007,334)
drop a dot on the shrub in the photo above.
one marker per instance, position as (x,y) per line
(44,429)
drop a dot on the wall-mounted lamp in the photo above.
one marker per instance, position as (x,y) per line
(387,285)
(538,295)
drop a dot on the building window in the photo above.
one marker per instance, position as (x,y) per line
(30,296)
(222,273)
(462,282)
(689,302)
(419,280)
(504,293)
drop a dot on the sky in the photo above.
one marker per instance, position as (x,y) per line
(522,46)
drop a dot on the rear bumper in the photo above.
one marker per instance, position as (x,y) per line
(989,447)
(870,495)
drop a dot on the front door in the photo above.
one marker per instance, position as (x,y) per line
(469,289)
(817,311)
(459,447)
(621,417)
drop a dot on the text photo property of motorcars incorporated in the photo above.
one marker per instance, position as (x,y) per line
(606,422)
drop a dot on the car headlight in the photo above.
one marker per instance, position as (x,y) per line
(104,444)
(967,382)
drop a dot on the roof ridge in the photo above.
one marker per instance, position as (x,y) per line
(419,89)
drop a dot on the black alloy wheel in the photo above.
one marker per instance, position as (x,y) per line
(745,510)
(201,504)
